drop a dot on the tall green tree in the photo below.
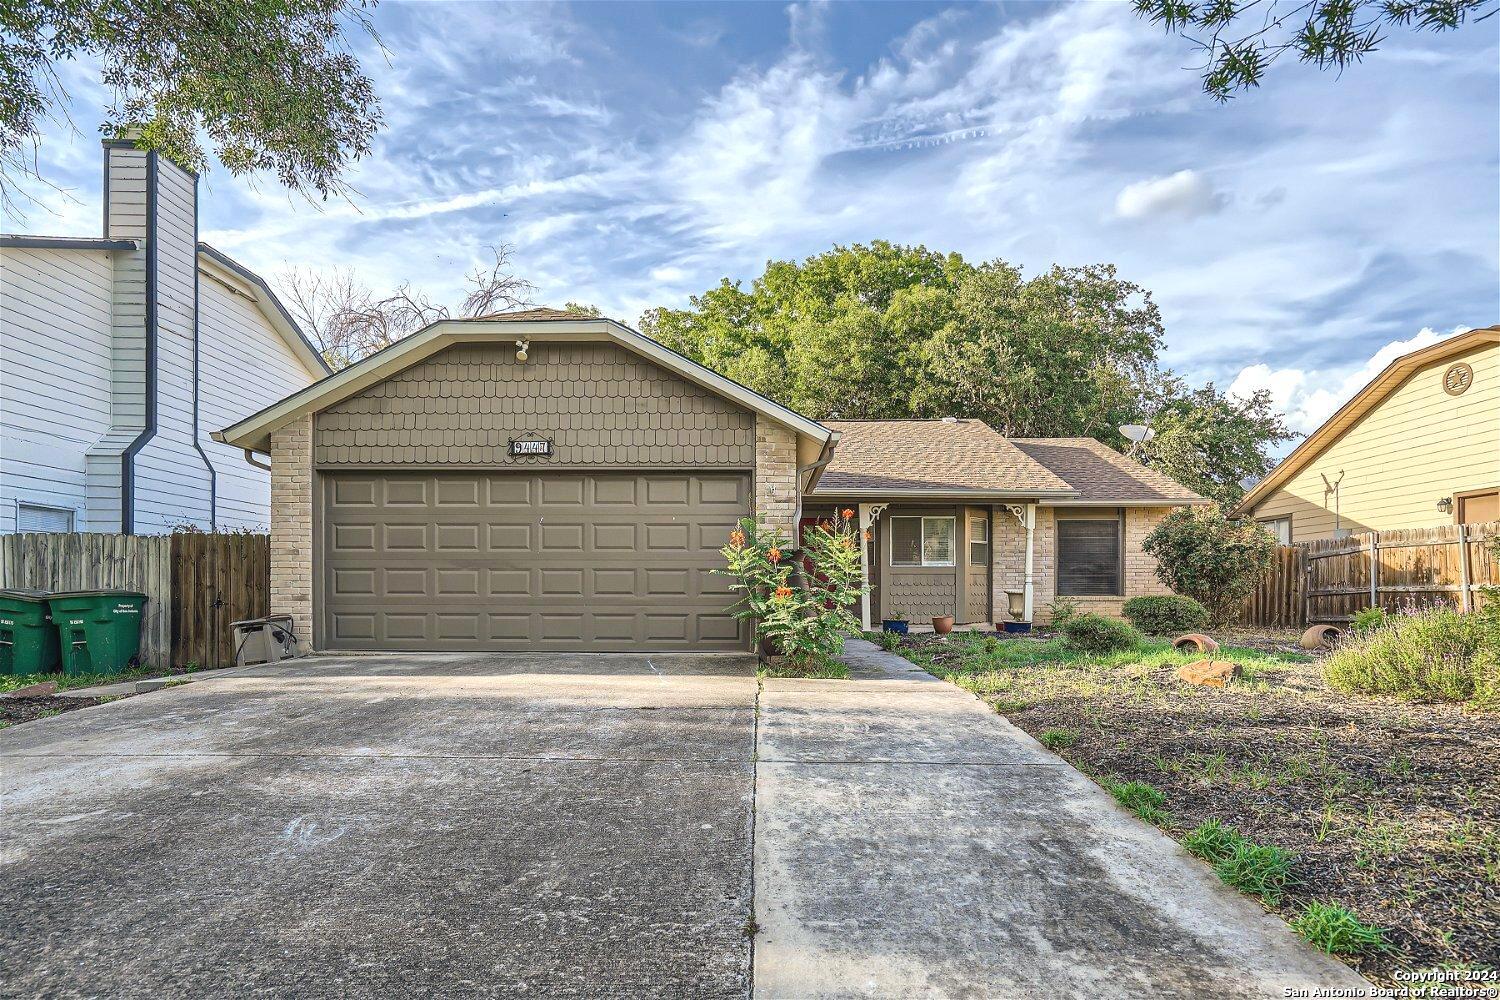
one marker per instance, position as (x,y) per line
(1239,40)
(1210,441)
(888,331)
(271,85)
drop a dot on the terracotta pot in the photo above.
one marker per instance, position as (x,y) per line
(1196,641)
(942,626)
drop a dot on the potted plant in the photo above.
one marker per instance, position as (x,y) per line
(942,624)
(896,623)
(1017,607)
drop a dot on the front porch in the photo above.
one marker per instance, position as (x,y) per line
(927,560)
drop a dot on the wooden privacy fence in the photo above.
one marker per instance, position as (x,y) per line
(216,580)
(195,584)
(1331,579)
(1278,601)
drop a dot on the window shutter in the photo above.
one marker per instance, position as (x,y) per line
(1088,557)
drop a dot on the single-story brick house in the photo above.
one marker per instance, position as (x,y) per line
(540,480)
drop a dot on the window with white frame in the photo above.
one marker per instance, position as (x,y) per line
(1281,527)
(922,541)
(37,517)
(979,541)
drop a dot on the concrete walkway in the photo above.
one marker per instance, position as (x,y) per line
(911,842)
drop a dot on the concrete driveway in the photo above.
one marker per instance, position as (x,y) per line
(561,825)
(388,825)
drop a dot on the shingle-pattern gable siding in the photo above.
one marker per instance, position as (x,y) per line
(600,404)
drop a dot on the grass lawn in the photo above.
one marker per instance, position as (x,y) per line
(1371,825)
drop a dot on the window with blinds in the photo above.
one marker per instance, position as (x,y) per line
(1088,557)
(32,517)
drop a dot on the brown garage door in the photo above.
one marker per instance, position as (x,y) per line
(508,561)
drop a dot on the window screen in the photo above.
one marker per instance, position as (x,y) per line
(1088,557)
(937,541)
(979,541)
(906,541)
(922,541)
(30,517)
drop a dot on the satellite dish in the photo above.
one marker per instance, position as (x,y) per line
(1249,483)
(1137,433)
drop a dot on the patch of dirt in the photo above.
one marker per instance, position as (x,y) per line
(1392,808)
(17,710)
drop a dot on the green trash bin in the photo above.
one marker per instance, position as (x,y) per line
(99,630)
(28,642)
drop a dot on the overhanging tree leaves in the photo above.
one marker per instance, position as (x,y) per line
(272,84)
(1240,39)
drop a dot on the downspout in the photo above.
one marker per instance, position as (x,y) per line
(250,457)
(127,460)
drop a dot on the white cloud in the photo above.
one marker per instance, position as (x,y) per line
(1309,396)
(562,107)
(1185,194)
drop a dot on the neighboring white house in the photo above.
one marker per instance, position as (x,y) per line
(119,355)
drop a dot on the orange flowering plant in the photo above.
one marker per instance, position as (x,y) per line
(804,605)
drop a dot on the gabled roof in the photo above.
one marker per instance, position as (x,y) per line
(270,306)
(1381,386)
(1102,475)
(254,432)
(932,458)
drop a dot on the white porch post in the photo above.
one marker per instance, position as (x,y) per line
(869,513)
(1030,522)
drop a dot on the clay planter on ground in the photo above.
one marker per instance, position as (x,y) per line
(1196,642)
(1320,637)
(943,625)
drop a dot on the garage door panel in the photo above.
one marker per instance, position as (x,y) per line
(405,583)
(562,537)
(561,561)
(406,537)
(406,492)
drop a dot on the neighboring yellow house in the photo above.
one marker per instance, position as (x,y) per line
(1418,447)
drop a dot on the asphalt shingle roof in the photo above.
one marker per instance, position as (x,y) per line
(943,456)
(1098,472)
(934,455)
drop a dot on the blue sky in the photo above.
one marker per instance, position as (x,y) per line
(635,154)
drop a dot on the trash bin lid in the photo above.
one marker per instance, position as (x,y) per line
(96,593)
(24,594)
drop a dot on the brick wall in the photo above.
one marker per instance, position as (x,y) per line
(776,476)
(292,527)
(1009,553)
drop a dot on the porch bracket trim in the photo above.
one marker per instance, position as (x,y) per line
(1026,514)
(869,513)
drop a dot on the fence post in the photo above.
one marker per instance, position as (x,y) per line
(1374,569)
(1465,574)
